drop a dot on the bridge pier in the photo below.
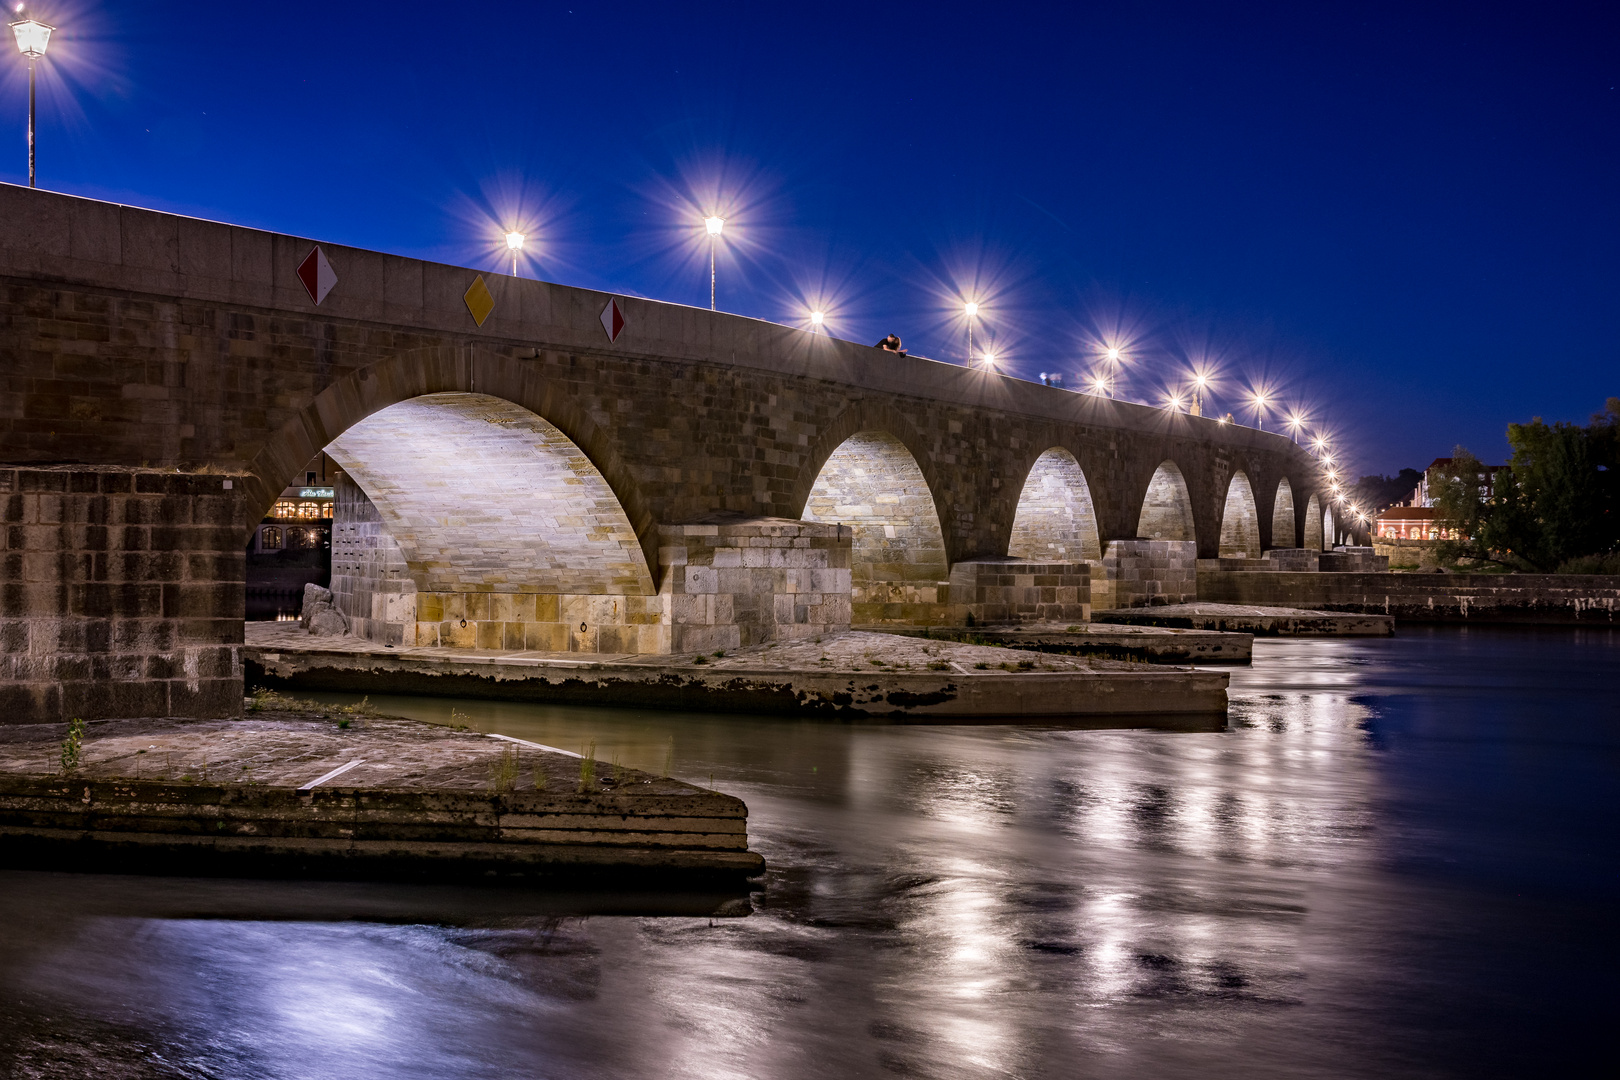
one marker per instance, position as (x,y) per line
(122,594)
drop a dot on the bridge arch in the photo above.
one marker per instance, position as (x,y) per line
(873,483)
(416,373)
(1313,523)
(481,495)
(1284,533)
(1240,520)
(1056,520)
(1167,511)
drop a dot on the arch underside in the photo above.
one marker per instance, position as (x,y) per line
(483,495)
(1314,533)
(873,484)
(1055,521)
(1240,521)
(1167,507)
(1283,532)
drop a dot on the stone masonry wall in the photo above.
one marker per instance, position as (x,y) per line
(122,594)
(1140,573)
(1001,591)
(746,582)
(372,585)
(1528,598)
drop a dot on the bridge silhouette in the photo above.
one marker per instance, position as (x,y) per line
(517,469)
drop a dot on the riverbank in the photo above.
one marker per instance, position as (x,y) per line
(1419,597)
(300,790)
(853,674)
(1253,619)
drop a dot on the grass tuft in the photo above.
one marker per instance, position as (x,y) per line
(503,771)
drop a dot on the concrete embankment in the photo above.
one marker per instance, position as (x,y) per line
(1252,620)
(853,674)
(1504,598)
(1153,644)
(287,794)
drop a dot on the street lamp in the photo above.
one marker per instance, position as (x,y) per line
(1199,381)
(714,225)
(972,310)
(514,244)
(816,319)
(1260,411)
(989,360)
(1296,422)
(32,37)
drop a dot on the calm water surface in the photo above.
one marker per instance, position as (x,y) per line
(1399,861)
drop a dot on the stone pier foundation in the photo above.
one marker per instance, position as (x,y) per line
(121,595)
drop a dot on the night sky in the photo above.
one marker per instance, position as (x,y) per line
(1403,221)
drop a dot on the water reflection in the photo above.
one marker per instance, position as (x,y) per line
(1302,894)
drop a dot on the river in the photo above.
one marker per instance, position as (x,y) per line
(1398,860)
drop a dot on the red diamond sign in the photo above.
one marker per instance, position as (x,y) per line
(317,275)
(612,319)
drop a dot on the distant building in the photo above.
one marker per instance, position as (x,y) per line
(1425,493)
(300,519)
(1406,523)
(1414,519)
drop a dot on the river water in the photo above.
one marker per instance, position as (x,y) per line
(1398,860)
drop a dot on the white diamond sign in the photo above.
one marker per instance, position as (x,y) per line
(612,319)
(317,275)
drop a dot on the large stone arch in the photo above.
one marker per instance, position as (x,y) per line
(1056,520)
(1313,523)
(481,494)
(873,483)
(421,372)
(1240,520)
(1284,533)
(1167,508)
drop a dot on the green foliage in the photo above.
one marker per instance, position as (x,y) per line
(587,768)
(1592,564)
(1558,500)
(73,745)
(503,771)
(542,779)
(1375,492)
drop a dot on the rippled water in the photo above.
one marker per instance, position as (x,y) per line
(1399,860)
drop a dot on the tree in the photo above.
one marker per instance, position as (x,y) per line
(1558,498)
(1374,492)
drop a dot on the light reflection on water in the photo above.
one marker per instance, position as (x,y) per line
(1398,860)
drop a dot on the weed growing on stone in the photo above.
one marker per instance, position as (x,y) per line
(344,723)
(618,770)
(587,767)
(938,665)
(72,745)
(982,666)
(718,653)
(542,779)
(262,700)
(700,659)
(459,721)
(503,771)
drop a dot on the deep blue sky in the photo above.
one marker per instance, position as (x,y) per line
(1404,219)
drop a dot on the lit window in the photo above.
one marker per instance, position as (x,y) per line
(284,508)
(269,538)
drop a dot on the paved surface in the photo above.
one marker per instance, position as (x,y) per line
(851,651)
(855,673)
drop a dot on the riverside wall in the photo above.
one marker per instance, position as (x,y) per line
(1438,597)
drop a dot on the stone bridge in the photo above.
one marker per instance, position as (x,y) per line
(516,475)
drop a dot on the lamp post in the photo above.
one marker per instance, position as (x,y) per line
(514,244)
(972,310)
(1113,370)
(1296,422)
(1260,411)
(1198,394)
(32,37)
(714,225)
(816,319)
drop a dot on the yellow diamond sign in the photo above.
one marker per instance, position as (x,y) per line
(479,302)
